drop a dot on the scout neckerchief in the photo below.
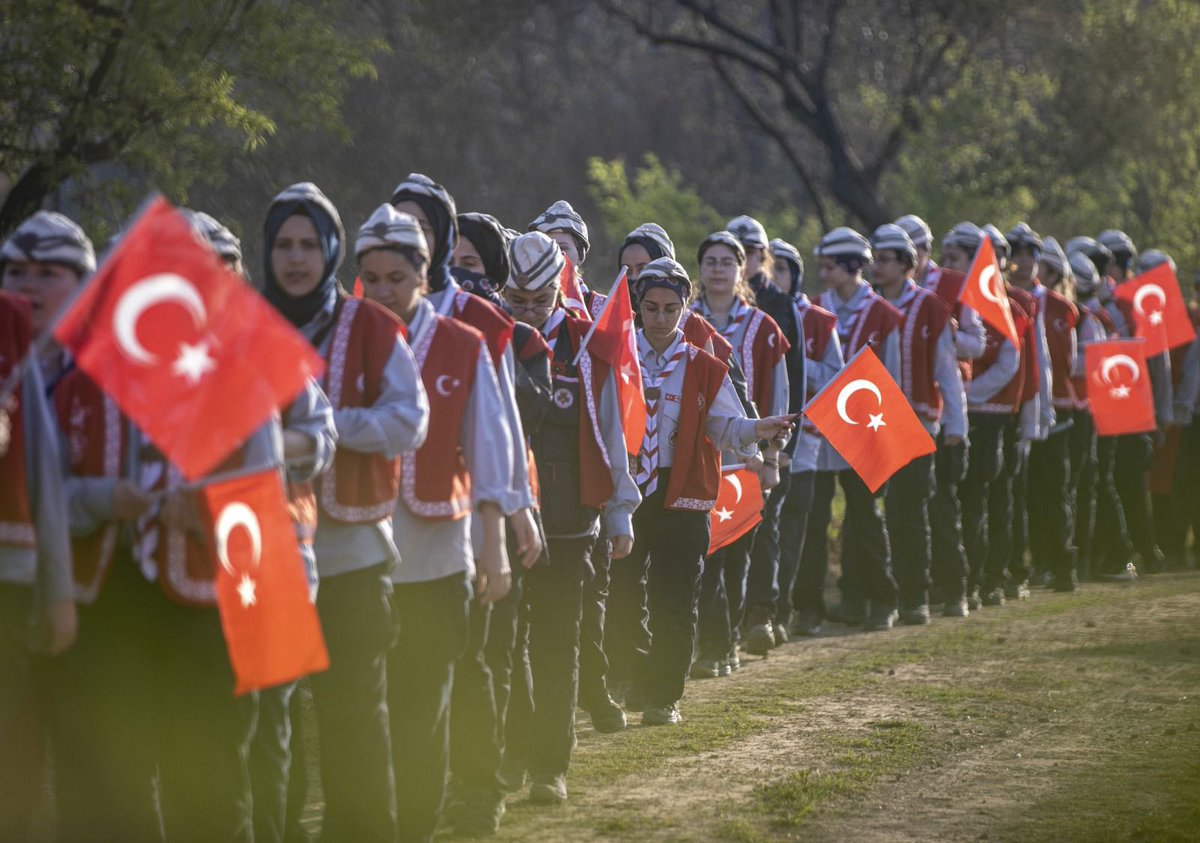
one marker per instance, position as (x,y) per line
(647,475)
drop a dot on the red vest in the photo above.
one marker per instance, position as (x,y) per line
(819,325)
(1008,400)
(763,345)
(359,488)
(434,480)
(16,514)
(1029,362)
(92,427)
(947,285)
(595,474)
(699,332)
(1062,317)
(925,317)
(872,327)
(696,471)
(495,325)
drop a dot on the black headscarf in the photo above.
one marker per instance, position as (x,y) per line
(304,199)
(438,206)
(487,236)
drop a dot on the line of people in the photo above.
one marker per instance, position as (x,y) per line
(485,553)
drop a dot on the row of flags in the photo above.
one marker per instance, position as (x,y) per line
(198,360)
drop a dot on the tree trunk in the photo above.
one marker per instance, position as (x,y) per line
(26,196)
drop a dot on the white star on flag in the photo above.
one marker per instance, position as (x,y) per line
(245,590)
(723,515)
(876,421)
(193,361)
(1120,392)
(1156,318)
(626,372)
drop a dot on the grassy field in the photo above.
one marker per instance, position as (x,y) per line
(1066,717)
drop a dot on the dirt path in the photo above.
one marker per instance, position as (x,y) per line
(1072,717)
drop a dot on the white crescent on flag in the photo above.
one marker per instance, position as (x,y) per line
(233,515)
(1119,360)
(736,483)
(152,290)
(1148,291)
(985,286)
(849,389)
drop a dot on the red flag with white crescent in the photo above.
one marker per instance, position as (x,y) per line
(984,292)
(1118,387)
(271,627)
(572,293)
(866,418)
(1160,314)
(738,509)
(186,349)
(614,340)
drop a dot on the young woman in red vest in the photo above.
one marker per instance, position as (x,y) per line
(803,556)
(692,414)
(863,319)
(727,301)
(459,474)
(477,796)
(932,383)
(380,411)
(582,469)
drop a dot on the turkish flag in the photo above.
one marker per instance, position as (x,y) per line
(572,294)
(738,510)
(271,627)
(984,293)
(187,349)
(1118,387)
(866,418)
(614,340)
(1159,312)
(357,290)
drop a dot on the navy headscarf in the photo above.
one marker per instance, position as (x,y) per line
(304,199)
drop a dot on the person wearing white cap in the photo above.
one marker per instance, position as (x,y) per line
(381,411)
(922,239)
(583,469)
(679,471)
(741,587)
(863,319)
(36,590)
(932,382)
(458,476)
(1101,534)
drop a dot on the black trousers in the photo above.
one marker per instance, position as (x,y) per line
(147,686)
(627,616)
(988,433)
(948,568)
(1111,546)
(1133,462)
(434,621)
(672,543)
(554,595)
(808,593)
(1051,516)
(1019,569)
(352,711)
(1083,488)
(20,738)
(1000,505)
(793,528)
(593,663)
(474,728)
(762,579)
(508,662)
(722,601)
(866,550)
(271,762)
(907,503)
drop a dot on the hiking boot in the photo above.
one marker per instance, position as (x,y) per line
(880,619)
(548,790)
(723,668)
(662,715)
(781,634)
(915,617)
(706,669)
(851,613)
(956,609)
(995,597)
(806,622)
(1128,575)
(1016,591)
(607,716)
(974,601)
(477,814)
(759,632)
(635,698)
(732,661)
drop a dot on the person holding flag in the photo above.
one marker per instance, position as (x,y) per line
(692,411)
(459,474)
(933,385)
(864,319)
(380,411)
(582,467)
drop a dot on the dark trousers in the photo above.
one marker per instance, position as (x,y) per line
(434,621)
(351,702)
(808,594)
(670,545)
(948,567)
(1133,462)
(20,740)
(988,433)
(627,616)
(1111,546)
(593,663)
(793,527)
(907,505)
(722,601)
(474,730)
(762,580)
(271,762)
(1051,517)
(554,595)
(1019,569)
(148,686)
(1083,487)
(507,662)
(866,551)
(1001,523)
